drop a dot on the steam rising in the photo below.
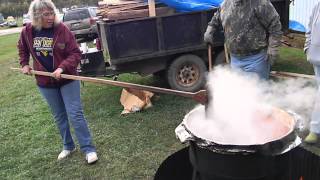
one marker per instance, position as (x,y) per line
(237,97)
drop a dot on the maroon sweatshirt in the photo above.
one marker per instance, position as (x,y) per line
(66,54)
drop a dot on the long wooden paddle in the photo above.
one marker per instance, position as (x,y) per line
(290,75)
(200,96)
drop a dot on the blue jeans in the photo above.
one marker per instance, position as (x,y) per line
(315,117)
(65,102)
(257,64)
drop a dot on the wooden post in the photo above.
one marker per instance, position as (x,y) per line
(152,8)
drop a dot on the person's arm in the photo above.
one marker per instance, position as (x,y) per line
(309,28)
(270,20)
(213,25)
(74,53)
(24,54)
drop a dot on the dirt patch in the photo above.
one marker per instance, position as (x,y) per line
(294,40)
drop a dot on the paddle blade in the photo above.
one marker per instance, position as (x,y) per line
(201,97)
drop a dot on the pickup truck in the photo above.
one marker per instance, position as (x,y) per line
(169,46)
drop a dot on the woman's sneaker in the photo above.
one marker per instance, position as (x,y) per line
(65,153)
(91,157)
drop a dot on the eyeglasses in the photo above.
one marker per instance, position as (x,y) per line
(47,14)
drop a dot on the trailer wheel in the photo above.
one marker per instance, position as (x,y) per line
(187,73)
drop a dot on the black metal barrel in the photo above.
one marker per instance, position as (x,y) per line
(209,165)
(297,164)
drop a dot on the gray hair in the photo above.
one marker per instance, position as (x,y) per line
(35,9)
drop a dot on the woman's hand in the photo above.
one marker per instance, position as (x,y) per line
(57,73)
(26,70)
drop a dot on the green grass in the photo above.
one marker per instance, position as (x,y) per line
(8,48)
(293,60)
(129,147)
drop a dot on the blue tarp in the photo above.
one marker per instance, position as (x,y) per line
(296,26)
(199,5)
(192,5)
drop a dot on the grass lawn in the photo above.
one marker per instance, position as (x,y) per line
(129,147)
(293,60)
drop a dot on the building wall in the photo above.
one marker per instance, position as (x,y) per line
(300,10)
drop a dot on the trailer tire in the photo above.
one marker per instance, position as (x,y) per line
(187,73)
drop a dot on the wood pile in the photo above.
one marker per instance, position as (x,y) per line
(115,10)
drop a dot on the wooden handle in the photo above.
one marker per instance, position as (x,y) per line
(198,96)
(226,53)
(290,74)
(210,57)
